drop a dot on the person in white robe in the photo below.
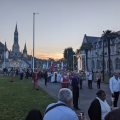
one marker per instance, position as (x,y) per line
(52,77)
(58,77)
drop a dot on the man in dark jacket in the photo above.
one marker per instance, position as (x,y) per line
(76,87)
(45,77)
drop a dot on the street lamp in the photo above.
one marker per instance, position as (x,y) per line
(33,36)
(4,55)
(103,60)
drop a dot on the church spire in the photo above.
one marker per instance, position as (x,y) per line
(25,49)
(5,46)
(16,31)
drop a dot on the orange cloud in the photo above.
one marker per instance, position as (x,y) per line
(47,55)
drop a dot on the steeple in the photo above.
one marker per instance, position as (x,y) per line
(16,35)
(5,46)
(25,49)
(15,48)
(16,31)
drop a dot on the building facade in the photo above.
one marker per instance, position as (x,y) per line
(95,58)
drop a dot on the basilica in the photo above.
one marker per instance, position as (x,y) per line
(15,58)
(95,54)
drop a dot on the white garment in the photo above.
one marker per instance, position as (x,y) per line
(87,73)
(58,77)
(105,108)
(49,74)
(52,78)
(114,84)
(60,113)
(90,76)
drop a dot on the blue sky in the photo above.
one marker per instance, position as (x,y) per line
(59,24)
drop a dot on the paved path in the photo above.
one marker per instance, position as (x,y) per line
(86,95)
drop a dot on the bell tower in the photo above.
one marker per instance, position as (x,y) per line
(15,48)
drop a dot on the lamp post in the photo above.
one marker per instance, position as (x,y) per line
(33,36)
(109,60)
(103,59)
(4,55)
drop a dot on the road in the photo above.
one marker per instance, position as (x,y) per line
(86,95)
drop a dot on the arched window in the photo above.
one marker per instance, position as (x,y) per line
(98,64)
(93,64)
(117,63)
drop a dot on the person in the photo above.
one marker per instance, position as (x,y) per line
(34,114)
(45,75)
(16,72)
(52,76)
(8,71)
(59,77)
(21,74)
(55,77)
(113,115)
(12,75)
(98,77)
(35,79)
(99,107)
(114,85)
(75,89)
(26,74)
(4,71)
(90,80)
(61,110)
(87,73)
(81,80)
(65,81)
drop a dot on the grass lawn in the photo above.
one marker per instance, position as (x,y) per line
(18,98)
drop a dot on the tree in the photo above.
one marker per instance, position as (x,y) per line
(108,35)
(86,46)
(77,51)
(68,55)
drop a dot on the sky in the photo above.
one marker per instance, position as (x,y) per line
(60,23)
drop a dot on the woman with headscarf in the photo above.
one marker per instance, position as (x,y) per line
(99,107)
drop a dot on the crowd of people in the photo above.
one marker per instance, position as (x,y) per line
(71,82)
